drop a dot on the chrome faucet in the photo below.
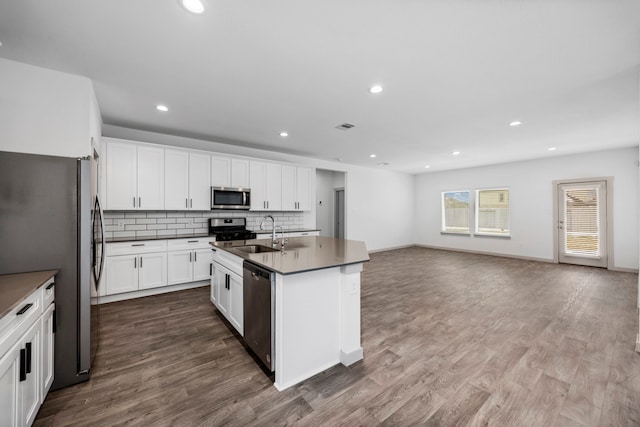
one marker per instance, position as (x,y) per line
(273,229)
(283,241)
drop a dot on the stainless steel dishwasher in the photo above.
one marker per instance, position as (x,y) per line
(259,312)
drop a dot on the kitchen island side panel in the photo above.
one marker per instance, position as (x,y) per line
(307,325)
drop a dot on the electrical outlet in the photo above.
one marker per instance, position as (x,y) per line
(120,225)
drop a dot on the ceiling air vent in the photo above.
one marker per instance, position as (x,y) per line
(345,126)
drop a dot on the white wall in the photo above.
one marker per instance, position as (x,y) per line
(324,202)
(379,207)
(531,195)
(379,203)
(46,112)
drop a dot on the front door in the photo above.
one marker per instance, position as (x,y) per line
(582,223)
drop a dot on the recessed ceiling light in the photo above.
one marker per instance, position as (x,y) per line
(284,134)
(372,156)
(427,166)
(163,108)
(193,6)
(375,89)
(552,149)
(515,123)
(456,153)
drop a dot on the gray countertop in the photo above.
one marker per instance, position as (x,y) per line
(14,288)
(302,253)
(292,230)
(137,239)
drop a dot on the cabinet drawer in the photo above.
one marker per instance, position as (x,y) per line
(187,244)
(48,293)
(139,247)
(230,261)
(17,321)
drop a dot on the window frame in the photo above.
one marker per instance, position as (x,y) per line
(477,231)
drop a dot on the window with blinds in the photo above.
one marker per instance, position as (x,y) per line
(582,221)
(455,212)
(492,212)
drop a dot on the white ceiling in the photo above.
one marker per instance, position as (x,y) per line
(454,73)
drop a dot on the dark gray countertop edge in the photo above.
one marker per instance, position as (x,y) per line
(138,239)
(26,288)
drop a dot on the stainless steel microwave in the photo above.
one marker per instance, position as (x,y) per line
(230,198)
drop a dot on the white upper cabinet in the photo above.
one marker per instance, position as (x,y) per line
(135,177)
(142,176)
(295,188)
(266,186)
(229,172)
(220,171)
(122,170)
(240,173)
(186,180)
(176,180)
(199,182)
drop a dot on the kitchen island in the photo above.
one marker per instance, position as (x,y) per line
(317,302)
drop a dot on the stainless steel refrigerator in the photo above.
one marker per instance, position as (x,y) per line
(48,221)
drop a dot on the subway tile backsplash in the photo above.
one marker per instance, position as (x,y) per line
(153,224)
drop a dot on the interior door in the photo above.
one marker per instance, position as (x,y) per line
(582,223)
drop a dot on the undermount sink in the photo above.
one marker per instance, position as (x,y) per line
(255,249)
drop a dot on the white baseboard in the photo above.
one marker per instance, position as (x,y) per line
(348,359)
(148,292)
(469,251)
(393,248)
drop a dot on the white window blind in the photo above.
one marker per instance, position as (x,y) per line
(582,221)
(455,212)
(492,212)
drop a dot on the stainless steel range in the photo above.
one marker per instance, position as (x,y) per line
(226,229)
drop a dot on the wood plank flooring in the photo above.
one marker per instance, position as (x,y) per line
(450,339)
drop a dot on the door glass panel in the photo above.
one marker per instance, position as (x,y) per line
(582,221)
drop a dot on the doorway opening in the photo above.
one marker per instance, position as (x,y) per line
(338,216)
(583,222)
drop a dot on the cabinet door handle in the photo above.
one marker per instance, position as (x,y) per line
(28,358)
(140,262)
(139,202)
(23,364)
(186,203)
(135,262)
(210,269)
(190,255)
(190,203)
(54,321)
(24,309)
(195,257)
(134,202)
(138,244)
(51,285)
(192,241)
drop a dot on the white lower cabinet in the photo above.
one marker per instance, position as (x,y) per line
(151,264)
(29,387)
(227,288)
(26,367)
(132,266)
(9,371)
(189,260)
(48,349)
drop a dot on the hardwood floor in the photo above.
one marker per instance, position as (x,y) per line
(449,339)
